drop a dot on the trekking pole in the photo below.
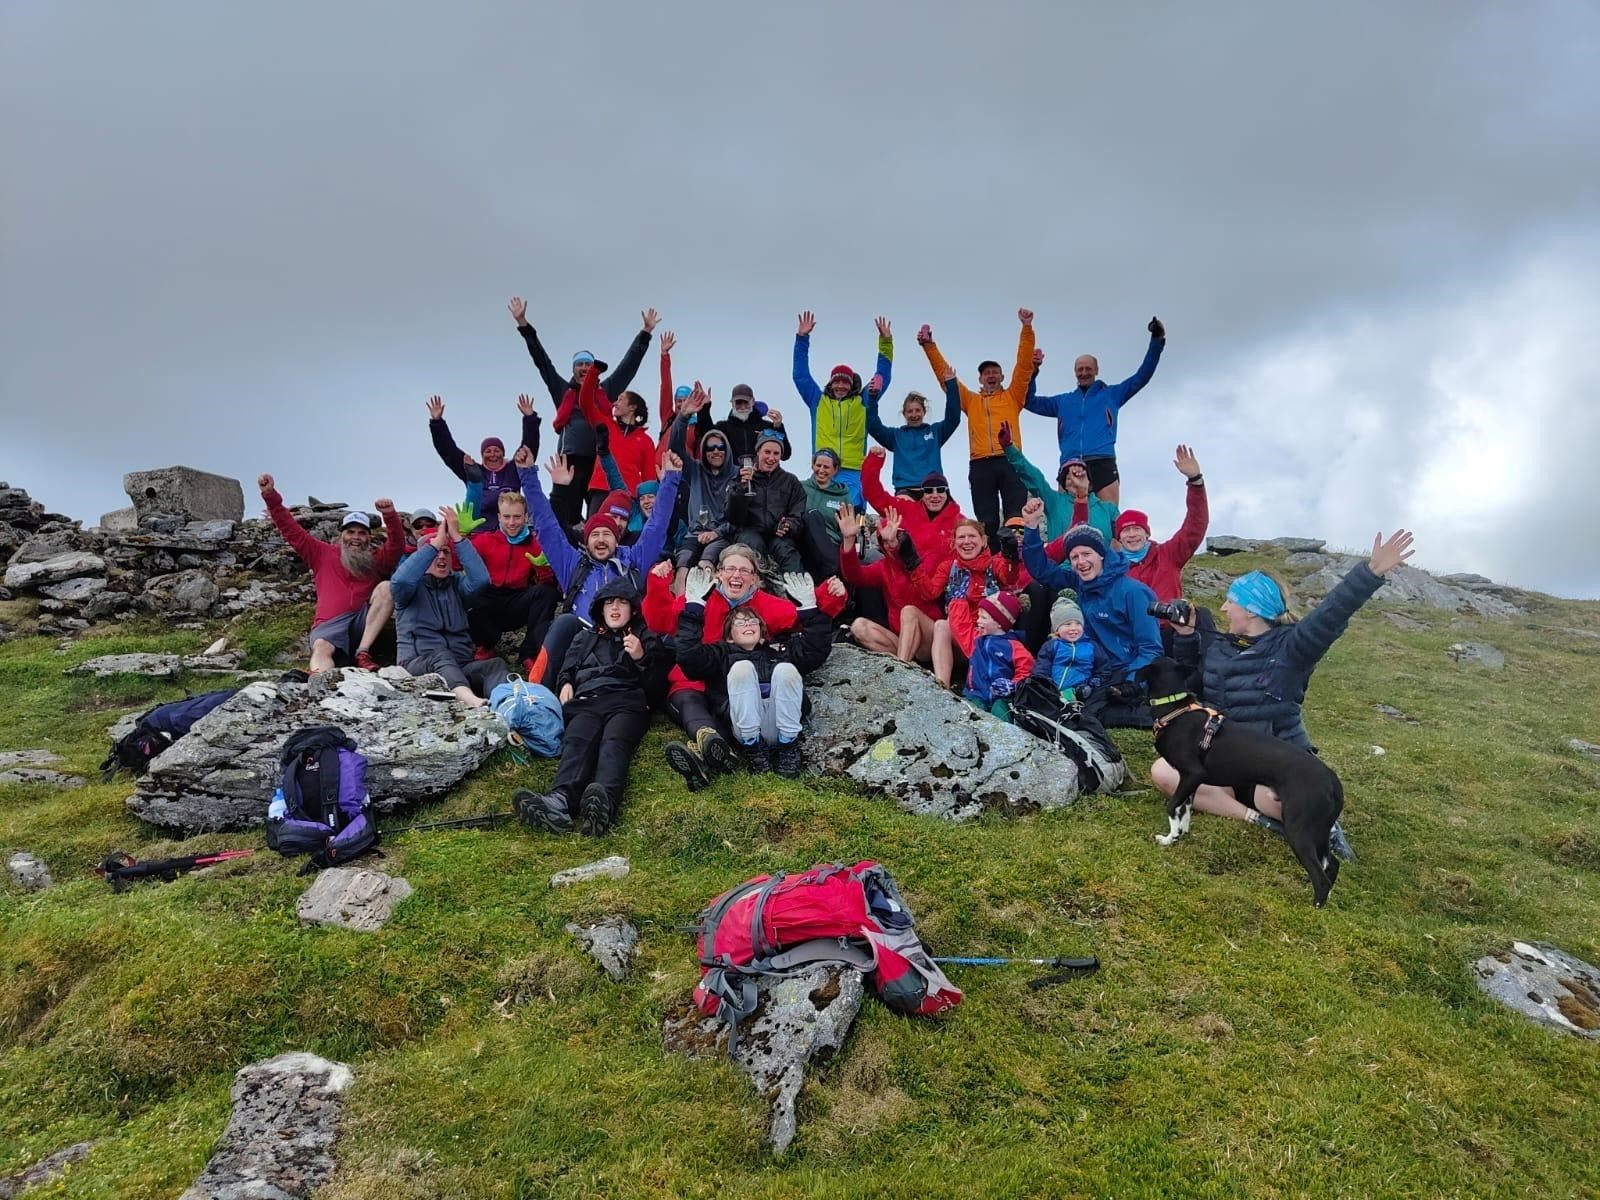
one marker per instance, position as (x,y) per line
(1090,963)
(483,821)
(121,870)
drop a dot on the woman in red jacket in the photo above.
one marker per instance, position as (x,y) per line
(909,636)
(625,421)
(928,521)
(961,581)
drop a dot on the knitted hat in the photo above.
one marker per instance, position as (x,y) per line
(682,392)
(934,479)
(355,517)
(602,520)
(483,447)
(842,371)
(1005,608)
(1131,516)
(1084,535)
(618,506)
(742,389)
(648,487)
(1063,610)
(768,435)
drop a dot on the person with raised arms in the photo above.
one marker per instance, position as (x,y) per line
(1069,503)
(918,447)
(839,411)
(492,471)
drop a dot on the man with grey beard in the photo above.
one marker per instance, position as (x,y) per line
(353,597)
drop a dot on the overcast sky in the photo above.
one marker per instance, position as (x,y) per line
(249,238)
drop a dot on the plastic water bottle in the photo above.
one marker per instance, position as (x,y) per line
(279,808)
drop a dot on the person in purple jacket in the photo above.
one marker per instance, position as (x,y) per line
(492,472)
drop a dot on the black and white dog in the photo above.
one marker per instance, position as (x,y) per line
(1205,747)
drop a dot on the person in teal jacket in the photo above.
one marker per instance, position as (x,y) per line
(1070,502)
(918,447)
(839,412)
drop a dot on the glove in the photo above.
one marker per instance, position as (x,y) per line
(466,519)
(1082,692)
(697,586)
(602,440)
(538,560)
(800,587)
(1011,549)
(1004,437)
(1004,687)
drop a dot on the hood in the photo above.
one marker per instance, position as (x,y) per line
(834,487)
(728,467)
(616,589)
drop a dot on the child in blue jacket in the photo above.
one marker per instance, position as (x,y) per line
(1067,657)
(999,660)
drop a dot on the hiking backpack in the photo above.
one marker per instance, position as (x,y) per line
(532,714)
(779,924)
(321,807)
(156,730)
(1038,708)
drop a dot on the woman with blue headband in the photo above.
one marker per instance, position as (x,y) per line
(1256,672)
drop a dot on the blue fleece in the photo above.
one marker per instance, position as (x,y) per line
(916,448)
(993,659)
(1065,664)
(1086,418)
(1116,615)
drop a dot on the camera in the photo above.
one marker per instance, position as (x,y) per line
(1177,611)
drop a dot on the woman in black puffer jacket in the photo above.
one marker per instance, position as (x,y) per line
(1257,670)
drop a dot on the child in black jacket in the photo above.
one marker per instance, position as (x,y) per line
(607,677)
(757,682)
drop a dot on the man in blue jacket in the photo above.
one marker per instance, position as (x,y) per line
(1086,418)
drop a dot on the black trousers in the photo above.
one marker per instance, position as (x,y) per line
(818,550)
(995,487)
(692,711)
(598,746)
(566,499)
(496,611)
(783,552)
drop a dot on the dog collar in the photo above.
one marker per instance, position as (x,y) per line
(1169,699)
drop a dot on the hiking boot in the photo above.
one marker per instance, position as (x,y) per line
(365,661)
(542,811)
(716,756)
(758,758)
(687,763)
(595,811)
(1339,844)
(842,636)
(482,654)
(788,759)
(1270,824)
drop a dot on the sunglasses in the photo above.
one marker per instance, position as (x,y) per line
(935,491)
(718,448)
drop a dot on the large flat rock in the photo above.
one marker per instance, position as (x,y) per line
(57,568)
(184,491)
(351,898)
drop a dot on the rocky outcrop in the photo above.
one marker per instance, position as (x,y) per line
(612,943)
(890,728)
(222,774)
(797,1019)
(158,666)
(22,517)
(279,1141)
(1412,585)
(1544,984)
(351,899)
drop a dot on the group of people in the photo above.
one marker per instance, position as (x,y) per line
(692,572)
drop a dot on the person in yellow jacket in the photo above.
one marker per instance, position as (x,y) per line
(996,491)
(839,411)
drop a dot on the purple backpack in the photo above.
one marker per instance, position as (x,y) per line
(321,807)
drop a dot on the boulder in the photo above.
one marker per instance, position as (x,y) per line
(1206,581)
(797,1018)
(891,729)
(1297,545)
(151,666)
(1227,544)
(279,1139)
(1587,749)
(69,564)
(1545,984)
(197,495)
(119,520)
(46,1170)
(75,591)
(351,899)
(1410,585)
(1305,560)
(612,943)
(27,758)
(182,592)
(615,867)
(27,872)
(222,774)
(1480,653)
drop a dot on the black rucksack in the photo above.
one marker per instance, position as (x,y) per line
(1038,708)
(156,730)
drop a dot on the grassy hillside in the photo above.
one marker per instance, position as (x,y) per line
(1236,1041)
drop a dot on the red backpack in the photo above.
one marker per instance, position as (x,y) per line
(780,924)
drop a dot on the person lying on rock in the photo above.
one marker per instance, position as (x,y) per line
(433,633)
(353,598)
(756,680)
(610,672)
(1257,670)
(492,471)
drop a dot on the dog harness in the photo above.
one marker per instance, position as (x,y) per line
(1213,718)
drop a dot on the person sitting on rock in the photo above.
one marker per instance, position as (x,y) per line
(581,573)
(492,472)
(768,506)
(909,633)
(432,631)
(519,588)
(708,476)
(959,581)
(354,601)
(757,681)
(999,661)
(825,496)
(1070,502)
(1067,657)
(608,675)
(928,520)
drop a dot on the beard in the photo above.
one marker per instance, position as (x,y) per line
(357,561)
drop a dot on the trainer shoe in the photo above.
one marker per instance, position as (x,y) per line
(687,763)
(758,758)
(788,759)
(595,811)
(1271,824)
(365,661)
(547,812)
(714,752)
(1339,844)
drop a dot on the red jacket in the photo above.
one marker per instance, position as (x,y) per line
(890,577)
(338,591)
(985,573)
(1161,569)
(930,535)
(507,563)
(634,451)
(669,413)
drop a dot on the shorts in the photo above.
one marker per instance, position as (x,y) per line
(343,633)
(1102,471)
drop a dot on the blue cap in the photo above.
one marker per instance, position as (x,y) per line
(682,392)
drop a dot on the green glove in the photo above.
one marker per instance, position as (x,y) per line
(539,560)
(466,519)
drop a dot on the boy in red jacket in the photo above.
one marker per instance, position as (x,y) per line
(522,590)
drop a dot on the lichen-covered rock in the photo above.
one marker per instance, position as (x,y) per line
(49,1168)
(152,666)
(351,898)
(27,872)
(612,942)
(890,728)
(798,1018)
(22,574)
(1477,653)
(614,867)
(1545,984)
(279,1141)
(222,773)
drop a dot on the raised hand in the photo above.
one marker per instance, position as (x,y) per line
(698,583)
(435,409)
(924,335)
(1004,436)
(559,469)
(1157,329)
(774,418)
(835,585)
(1033,512)
(1185,461)
(1025,315)
(697,399)
(668,341)
(523,457)
(264,482)
(800,588)
(651,319)
(663,569)
(889,527)
(632,646)
(883,327)
(602,440)
(519,310)
(673,462)
(946,375)
(525,404)
(467,460)
(875,386)
(383,504)
(808,322)
(849,523)
(877,452)
(1387,555)
(463,520)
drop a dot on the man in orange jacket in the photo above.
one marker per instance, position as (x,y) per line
(995,486)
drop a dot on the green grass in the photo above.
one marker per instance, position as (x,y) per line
(1235,1042)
